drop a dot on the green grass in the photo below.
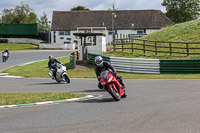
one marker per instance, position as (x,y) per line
(184,32)
(40,70)
(23,98)
(16,46)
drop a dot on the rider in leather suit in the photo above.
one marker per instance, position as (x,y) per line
(52,65)
(102,65)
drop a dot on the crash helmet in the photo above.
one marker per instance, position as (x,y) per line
(99,61)
(51,58)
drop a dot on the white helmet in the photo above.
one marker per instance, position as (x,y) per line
(99,61)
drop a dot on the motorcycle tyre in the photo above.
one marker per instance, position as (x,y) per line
(4,59)
(113,93)
(67,80)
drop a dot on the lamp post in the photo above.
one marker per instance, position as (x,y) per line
(49,41)
(113,16)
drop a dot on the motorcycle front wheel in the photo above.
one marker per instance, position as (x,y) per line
(66,78)
(114,93)
(4,59)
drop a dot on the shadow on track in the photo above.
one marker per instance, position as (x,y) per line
(102,100)
(51,83)
(87,91)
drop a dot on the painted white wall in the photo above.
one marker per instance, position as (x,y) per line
(109,38)
(100,46)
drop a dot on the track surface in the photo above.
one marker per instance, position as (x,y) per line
(152,106)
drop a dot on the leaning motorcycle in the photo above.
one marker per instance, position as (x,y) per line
(4,56)
(112,85)
(61,74)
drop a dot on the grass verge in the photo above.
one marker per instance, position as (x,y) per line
(23,98)
(16,46)
(40,70)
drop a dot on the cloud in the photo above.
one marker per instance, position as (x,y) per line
(48,6)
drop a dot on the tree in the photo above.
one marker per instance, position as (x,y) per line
(43,22)
(22,14)
(79,8)
(182,10)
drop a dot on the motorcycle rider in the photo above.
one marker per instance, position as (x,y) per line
(52,65)
(5,55)
(101,65)
(7,52)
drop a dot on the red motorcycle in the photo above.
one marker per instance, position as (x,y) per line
(112,85)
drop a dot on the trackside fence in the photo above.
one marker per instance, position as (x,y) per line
(156,47)
(151,66)
(179,66)
(135,65)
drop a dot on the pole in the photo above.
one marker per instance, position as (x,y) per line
(112,26)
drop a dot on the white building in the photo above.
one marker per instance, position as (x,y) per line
(126,22)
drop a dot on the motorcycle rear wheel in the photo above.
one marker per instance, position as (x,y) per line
(114,93)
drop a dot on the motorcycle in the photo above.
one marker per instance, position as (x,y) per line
(112,85)
(4,56)
(61,74)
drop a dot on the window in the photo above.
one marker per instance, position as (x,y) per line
(87,31)
(67,32)
(110,32)
(62,33)
(140,31)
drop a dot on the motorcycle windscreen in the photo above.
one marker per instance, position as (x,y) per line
(104,75)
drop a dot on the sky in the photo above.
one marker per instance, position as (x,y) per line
(48,6)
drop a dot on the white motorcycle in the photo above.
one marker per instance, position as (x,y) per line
(61,74)
(4,56)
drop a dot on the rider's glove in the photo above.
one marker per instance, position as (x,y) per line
(115,74)
(98,78)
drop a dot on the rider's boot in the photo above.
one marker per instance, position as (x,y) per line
(123,87)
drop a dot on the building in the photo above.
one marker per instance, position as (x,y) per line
(126,22)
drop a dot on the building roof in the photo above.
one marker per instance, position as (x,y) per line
(142,19)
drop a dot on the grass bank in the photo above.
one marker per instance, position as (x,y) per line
(183,32)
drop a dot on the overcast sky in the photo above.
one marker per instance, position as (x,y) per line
(48,6)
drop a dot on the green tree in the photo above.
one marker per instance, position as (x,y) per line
(43,22)
(22,14)
(79,8)
(182,10)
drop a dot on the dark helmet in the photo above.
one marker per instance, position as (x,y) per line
(99,61)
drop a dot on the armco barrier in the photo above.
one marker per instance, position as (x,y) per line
(131,65)
(136,65)
(72,63)
(91,58)
(153,66)
(179,66)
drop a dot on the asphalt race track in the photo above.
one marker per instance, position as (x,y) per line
(152,106)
